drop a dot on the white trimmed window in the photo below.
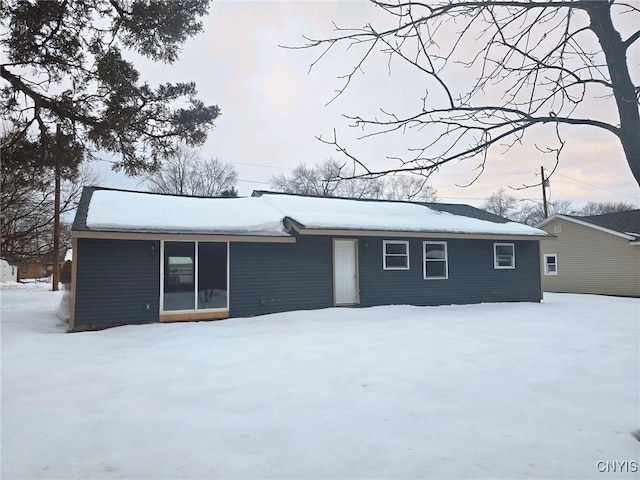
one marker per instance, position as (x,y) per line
(504,255)
(395,255)
(551,264)
(435,260)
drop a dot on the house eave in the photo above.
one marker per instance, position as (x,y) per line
(186,236)
(586,224)
(300,229)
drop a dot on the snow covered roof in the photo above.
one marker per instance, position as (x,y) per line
(373,215)
(270,214)
(114,210)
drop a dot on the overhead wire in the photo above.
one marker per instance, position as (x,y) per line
(597,186)
(439,174)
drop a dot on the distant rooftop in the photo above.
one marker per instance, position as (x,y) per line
(623,222)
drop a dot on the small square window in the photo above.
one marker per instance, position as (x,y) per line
(558,229)
(395,255)
(504,255)
(24,268)
(551,264)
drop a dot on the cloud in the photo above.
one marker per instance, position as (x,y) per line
(281,88)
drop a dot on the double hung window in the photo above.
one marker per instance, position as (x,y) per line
(551,264)
(395,255)
(504,255)
(435,260)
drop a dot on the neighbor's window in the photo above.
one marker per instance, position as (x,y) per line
(24,268)
(435,260)
(504,255)
(551,264)
(395,255)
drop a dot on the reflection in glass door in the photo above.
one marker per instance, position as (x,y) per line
(195,272)
(179,276)
(212,275)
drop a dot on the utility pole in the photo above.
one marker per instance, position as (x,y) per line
(56,211)
(544,193)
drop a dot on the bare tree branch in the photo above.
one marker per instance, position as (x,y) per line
(327,180)
(547,57)
(185,173)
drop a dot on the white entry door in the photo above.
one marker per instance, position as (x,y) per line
(345,272)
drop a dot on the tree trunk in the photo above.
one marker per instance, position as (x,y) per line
(615,51)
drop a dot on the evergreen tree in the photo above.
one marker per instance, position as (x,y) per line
(64,65)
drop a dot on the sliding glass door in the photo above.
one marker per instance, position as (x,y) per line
(194,276)
(212,275)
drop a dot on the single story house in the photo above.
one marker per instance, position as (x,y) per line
(144,257)
(592,254)
(35,267)
(39,267)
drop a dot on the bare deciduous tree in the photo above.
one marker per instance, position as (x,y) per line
(543,59)
(533,213)
(187,174)
(599,208)
(26,198)
(529,212)
(501,203)
(409,187)
(324,180)
(329,180)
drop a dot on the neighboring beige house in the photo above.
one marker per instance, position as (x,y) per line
(595,254)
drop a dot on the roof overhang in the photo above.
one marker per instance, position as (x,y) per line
(291,225)
(632,238)
(203,237)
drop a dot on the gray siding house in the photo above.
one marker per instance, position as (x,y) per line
(597,254)
(142,257)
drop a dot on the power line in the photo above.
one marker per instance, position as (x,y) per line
(464,198)
(438,174)
(254,181)
(596,186)
(262,165)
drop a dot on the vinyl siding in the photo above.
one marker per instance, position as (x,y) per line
(591,261)
(115,281)
(472,277)
(273,278)
(267,278)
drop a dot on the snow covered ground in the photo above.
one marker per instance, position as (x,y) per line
(485,391)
